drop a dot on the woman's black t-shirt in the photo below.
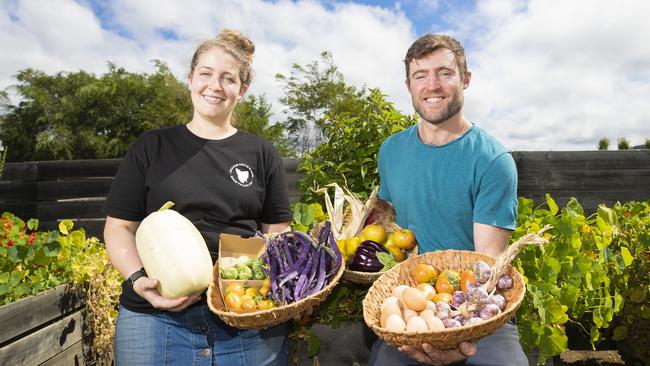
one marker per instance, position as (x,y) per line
(231,185)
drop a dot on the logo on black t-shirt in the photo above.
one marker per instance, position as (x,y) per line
(241,174)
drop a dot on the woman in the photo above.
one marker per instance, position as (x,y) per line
(221,179)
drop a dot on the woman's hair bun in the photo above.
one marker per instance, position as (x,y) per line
(238,42)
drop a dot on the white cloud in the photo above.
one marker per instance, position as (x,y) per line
(367,42)
(546,74)
(560,75)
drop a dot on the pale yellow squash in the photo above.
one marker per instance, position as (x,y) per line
(173,251)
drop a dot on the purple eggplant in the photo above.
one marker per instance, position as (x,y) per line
(365,258)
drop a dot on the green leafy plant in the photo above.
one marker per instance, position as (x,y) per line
(33,261)
(349,154)
(632,324)
(570,278)
(306,215)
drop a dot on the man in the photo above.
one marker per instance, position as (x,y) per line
(451,183)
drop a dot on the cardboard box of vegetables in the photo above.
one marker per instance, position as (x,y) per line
(367,235)
(261,282)
(446,297)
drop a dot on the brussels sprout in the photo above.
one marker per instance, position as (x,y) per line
(245,260)
(258,269)
(245,272)
(229,273)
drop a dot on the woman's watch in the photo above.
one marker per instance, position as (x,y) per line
(137,274)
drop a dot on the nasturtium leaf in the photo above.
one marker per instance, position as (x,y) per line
(627,256)
(569,295)
(52,249)
(588,281)
(597,318)
(15,278)
(618,301)
(595,335)
(576,242)
(552,206)
(65,226)
(552,312)
(553,341)
(4,277)
(32,224)
(550,268)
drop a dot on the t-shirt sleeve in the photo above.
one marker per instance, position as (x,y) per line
(127,197)
(496,202)
(383,193)
(277,208)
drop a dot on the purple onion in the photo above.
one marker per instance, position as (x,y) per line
(497,300)
(473,320)
(488,311)
(458,299)
(476,295)
(442,310)
(505,282)
(482,271)
(451,323)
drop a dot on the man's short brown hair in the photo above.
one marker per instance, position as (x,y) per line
(429,43)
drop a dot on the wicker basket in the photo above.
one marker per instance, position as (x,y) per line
(264,318)
(457,260)
(367,278)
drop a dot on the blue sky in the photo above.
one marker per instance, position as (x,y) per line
(546,74)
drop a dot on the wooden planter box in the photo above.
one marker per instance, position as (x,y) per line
(45,329)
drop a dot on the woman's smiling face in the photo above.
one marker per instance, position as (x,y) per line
(215,85)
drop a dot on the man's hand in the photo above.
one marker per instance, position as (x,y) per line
(147,288)
(438,357)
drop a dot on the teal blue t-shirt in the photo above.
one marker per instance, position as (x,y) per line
(440,191)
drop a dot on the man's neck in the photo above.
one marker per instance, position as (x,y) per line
(443,133)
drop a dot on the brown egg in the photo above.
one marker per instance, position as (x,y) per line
(387,311)
(395,323)
(416,324)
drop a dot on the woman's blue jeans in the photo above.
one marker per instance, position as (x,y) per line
(195,336)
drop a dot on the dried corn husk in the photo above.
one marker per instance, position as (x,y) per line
(343,229)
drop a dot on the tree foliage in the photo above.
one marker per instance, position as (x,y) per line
(76,115)
(623,143)
(253,114)
(351,141)
(311,92)
(603,144)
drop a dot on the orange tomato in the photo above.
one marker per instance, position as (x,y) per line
(265,304)
(236,288)
(448,281)
(233,301)
(443,297)
(424,273)
(266,283)
(248,303)
(264,291)
(252,292)
(466,278)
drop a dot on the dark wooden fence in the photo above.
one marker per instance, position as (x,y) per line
(53,190)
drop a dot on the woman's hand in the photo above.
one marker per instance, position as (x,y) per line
(147,288)
(433,356)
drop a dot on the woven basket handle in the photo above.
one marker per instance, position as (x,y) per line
(511,252)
